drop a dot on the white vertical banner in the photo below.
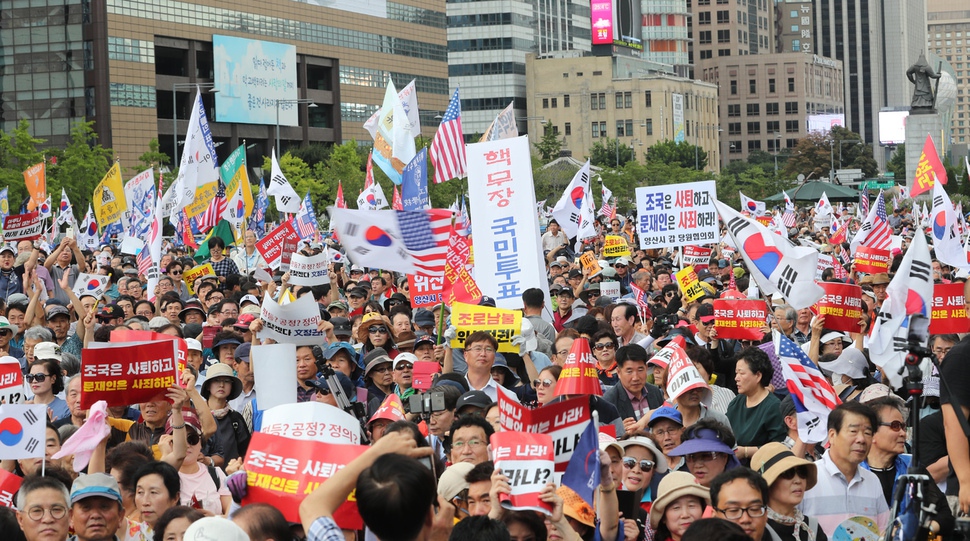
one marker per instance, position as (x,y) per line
(508,249)
(678,102)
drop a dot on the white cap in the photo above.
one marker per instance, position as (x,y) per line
(193,344)
(405,357)
(249,298)
(214,529)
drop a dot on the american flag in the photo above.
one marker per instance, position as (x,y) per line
(788,218)
(426,235)
(208,219)
(864,203)
(642,307)
(305,221)
(144,261)
(448,146)
(880,232)
(809,388)
(258,222)
(607,209)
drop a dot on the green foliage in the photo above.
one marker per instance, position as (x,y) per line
(610,153)
(313,153)
(816,154)
(81,167)
(151,158)
(897,163)
(683,154)
(550,144)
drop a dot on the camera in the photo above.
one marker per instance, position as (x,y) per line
(425,404)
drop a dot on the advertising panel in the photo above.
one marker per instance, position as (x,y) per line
(601,15)
(824,123)
(892,127)
(252,76)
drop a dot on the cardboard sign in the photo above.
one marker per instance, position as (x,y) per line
(615,246)
(689,285)
(698,257)
(740,319)
(295,322)
(949,314)
(422,377)
(611,289)
(527,460)
(281,471)
(22,227)
(842,306)
(272,248)
(871,260)
(9,485)
(90,284)
(312,421)
(563,421)
(501,323)
(590,264)
(11,381)
(127,372)
(193,274)
(677,214)
(274,379)
(309,270)
(426,290)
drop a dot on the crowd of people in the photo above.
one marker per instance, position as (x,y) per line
(722,461)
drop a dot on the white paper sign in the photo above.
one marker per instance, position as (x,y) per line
(311,421)
(91,284)
(610,289)
(309,270)
(677,214)
(294,323)
(274,369)
(11,381)
(131,245)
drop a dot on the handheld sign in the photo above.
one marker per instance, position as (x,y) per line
(871,260)
(22,227)
(309,270)
(526,459)
(501,323)
(193,274)
(128,372)
(272,248)
(949,313)
(842,306)
(689,284)
(295,322)
(11,381)
(740,319)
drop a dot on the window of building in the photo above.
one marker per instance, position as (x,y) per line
(545,103)
(791,126)
(734,147)
(628,100)
(648,98)
(771,86)
(649,126)
(703,2)
(565,100)
(707,54)
(791,84)
(723,17)
(754,109)
(771,109)
(596,130)
(752,86)
(555,102)
(734,88)
(791,107)
(734,109)
(754,145)
(724,52)
(568,128)
(602,129)
(704,17)
(754,128)
(704,37)
(734,128)
(723,36)
(619,100)
(629,127)
(555,130)
(772,126)
(619,128)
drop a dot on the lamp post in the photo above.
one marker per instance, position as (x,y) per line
(777,148)
(288,102)
(211,87)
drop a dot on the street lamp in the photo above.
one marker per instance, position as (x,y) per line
(309,103)
(777,148)
(211,87)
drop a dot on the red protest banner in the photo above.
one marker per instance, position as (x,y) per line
(11,381)
(426,290)
(740,319)
(22,227)
(841,305)
(949,311)
(282,471)
(563,421)
(126,335)
(273,246)
(127,373)
(698,257)
(871,261)
(526,459)
(9,485)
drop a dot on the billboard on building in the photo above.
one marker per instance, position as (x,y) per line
(678,101)
(892,127)
(824,123)
(627,24)
(253,77)
(601,16)
(376,8)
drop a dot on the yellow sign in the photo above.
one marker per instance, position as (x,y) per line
(689,284)
(501,323)
(590,265)
(193,274)
(203,196)
(109,198)
(615,246)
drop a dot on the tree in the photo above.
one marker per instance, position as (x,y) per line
(897,163)
(550,145)
(683,154)
(610,153)
(816,154)
(151,158)
(313,153)
(82,165)
(18,151)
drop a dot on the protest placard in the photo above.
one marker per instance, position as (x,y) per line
(740,319)
(842,306)
(683,376)
(22,227)
(9,485)
(128,372)
(272,248)
(668,353)
(563,421)
(871,260)
(122,334)
(282,471)
(500,323)
(11,381)
(949,313)
(615,246)
(689,285)
(309,270)
(311,421)
(590,265)
(425,290)
(295,322)
(611,289)
(91,284)
(763,220)
(274,379)
(193,274)
(527,460)
(698,257)
(677,214)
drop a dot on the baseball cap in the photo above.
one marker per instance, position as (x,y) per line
(705,313)
(5,325)
(55,310)
(47,350)
(190,419)
(321,384)
(342,326)
(666,412)
(95,484)
(487,301)
(477,399)
(243,322)
(242,352)
(249,298)
(111,311)
(405,358)
(194,345)
(210,528)
(339,305)
(8,248)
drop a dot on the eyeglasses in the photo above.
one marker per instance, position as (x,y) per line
(36,377)
(382,369)
(472,444)
(605,345)
(37,512)
(663,433)
(735,513)
(703,457)
(394,303)
(192,438)
(895,426)
(377,330)
(542,383)
(630,462)
(941,352)
(479,349)
(404,366)
(801,471)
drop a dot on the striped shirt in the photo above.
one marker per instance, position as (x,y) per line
(834,499)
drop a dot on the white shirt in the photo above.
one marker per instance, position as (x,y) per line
(490,388)
(834,498)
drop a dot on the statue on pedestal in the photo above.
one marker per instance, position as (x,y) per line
(920,74)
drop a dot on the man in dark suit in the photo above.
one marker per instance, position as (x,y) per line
(633,397)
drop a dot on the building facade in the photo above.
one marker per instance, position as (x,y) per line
(731,28)
(665,37)
(131,66)
(948,35)
(592,98)
(794,26)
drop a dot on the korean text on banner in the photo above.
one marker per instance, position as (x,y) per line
(698,257)
(500,323)
(312,421)
(611,289)
(615,246)
(9,485)
(842,306)
(871,260)
(309,270)
(563,421)
(22,227)
(122,334)
(274,380)
(677,214)
(282,471)
(128,372)
(949,312)
(295,322)
(425,290)
(590,265)
(689,284)
(526,459)
(740,319)
(508,251)
(11,381)
(193,274)
(271,247)
(109,198)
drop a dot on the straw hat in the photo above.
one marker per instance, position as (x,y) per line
(674,485)
(775,458)
(574,507)
(369,320)
(221,370)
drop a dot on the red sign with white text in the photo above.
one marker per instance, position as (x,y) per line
(841,305)
(871,260)
(740,319)
(126,335)
(22,227)
(282,471)
(9,485)
(698,257)
(426,290)
(526,459)
(127,373)
(275,244)
(563,421)
(949,311)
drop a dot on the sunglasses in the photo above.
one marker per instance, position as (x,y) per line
(895,426)
(404,366)
(542,383)
(377,330)
(192,438)
(607,345)
(324,392)
(36,377)
(801,471)
(630,462)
